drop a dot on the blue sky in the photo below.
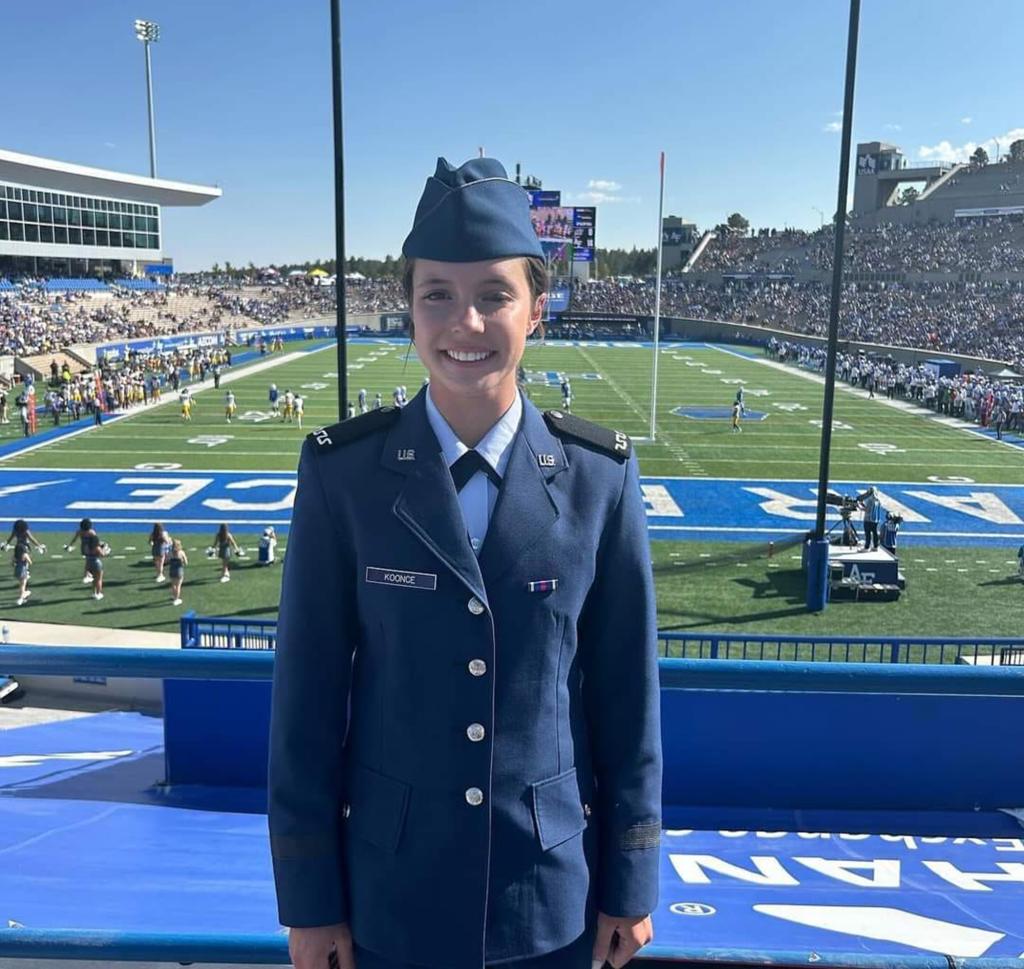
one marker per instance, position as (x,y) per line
(740,94)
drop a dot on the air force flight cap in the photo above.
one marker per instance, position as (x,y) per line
(471,213)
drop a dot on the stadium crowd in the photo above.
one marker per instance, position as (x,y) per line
(981,319)
(991,244)
(983,399)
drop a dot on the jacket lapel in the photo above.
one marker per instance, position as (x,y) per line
(428,504)
(526,508)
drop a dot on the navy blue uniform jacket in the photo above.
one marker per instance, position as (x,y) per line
(463,766)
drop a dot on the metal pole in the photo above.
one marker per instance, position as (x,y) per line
(657,297)
(818,559)
(152,126)
(341,317)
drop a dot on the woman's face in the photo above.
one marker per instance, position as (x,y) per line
(471,323)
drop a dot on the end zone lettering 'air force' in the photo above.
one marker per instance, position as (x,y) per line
(706,508)
(128,500)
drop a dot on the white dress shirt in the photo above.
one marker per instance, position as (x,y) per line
(479,495)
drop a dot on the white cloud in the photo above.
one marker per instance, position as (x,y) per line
(946,151)
(603,185)
(894,127)
(597,198)
(833,126)
(109,144)
(967,119)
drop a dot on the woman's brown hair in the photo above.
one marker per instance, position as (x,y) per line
(537,279)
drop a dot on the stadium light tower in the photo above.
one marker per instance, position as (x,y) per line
(149,33)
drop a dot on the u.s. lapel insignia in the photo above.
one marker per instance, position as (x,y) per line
(407,454)
(546,460)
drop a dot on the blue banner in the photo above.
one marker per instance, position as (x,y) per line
(819,891)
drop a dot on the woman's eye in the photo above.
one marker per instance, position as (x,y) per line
(500,298)
(435,295)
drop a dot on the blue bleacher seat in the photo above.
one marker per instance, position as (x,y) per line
(75,285)
(140,285)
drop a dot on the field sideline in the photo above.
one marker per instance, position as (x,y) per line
(707,488)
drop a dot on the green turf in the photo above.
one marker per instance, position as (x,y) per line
(757,596)
(131,597)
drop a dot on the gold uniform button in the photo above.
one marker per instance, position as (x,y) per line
(346,810)
(477,667)
(474,796)
(586,810)
(476,732)
(475,606)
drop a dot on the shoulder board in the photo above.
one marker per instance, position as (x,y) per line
(354,428)
(604,439)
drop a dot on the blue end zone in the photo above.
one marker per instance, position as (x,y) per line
(716,413)
(728,509)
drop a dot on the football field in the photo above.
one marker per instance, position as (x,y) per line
(715,497)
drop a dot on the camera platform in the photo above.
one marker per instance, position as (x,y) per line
(858,573)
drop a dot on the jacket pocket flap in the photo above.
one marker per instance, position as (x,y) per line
(376,807)
(557,809)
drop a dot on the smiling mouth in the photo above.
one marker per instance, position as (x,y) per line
(468,356)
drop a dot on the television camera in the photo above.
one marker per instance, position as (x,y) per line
(847,504)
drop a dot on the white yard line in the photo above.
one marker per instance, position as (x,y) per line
(677,451)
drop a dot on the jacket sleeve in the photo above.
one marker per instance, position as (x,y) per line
(618,634)
(309,711)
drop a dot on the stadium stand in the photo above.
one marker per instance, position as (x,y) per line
(75,286)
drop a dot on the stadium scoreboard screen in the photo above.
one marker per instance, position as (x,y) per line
(539,199)
(565,232)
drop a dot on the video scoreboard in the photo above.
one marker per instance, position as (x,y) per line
(565,232)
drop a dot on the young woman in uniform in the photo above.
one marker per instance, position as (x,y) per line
(465,759)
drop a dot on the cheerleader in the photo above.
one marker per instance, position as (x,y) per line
(81,535)
(268,546)
(176,562)
(22,539)
(159,543)
(95,550)
(224,544)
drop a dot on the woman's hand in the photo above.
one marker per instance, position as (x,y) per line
(619,939)
(311,948)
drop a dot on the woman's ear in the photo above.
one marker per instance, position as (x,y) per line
(538,312)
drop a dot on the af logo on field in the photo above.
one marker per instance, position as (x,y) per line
(692,908)
(211,440)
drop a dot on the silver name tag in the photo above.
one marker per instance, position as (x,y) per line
(403,579)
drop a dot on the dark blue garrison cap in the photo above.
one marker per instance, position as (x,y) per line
(472,213)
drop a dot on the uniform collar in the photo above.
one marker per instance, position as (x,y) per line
(495,447)
(413,440)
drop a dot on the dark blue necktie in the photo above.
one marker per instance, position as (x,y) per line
(468,465)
